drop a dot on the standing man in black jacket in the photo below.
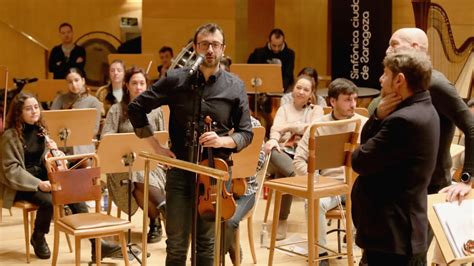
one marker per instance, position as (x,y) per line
(276,52)
(395,161)
(66,55)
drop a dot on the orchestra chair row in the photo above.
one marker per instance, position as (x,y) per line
(328,151)
(80,185)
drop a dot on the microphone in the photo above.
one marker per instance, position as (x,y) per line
(196,64)
(24,80)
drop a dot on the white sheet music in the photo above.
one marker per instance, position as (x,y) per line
(458,223)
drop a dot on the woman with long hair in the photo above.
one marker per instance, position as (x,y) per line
(79,97)
(112,93)
(117,121)
(290,123)
(23,175)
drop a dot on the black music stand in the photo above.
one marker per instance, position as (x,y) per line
(71,127)
(117,153)
(259,78)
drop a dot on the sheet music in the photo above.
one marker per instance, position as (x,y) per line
(458,223)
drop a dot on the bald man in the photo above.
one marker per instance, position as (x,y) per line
(451,110)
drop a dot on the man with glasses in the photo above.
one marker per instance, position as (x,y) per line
(276,52)
(209,92)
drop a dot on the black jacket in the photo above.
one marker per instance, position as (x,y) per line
(396,161)
(59,64)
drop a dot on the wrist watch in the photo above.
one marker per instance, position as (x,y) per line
(466,178)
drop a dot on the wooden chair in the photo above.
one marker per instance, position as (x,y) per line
(249,217)
(338,214)
(245,164)
(79,185)
(332,151)
(28,222)
(1,211)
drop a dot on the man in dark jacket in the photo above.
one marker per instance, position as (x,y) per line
(396,161)
(276,52)
(67,54)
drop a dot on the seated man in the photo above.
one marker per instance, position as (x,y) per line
(342,95)
(276,51)
(166,54)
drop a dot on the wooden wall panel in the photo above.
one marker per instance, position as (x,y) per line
(173,22)
(41,19)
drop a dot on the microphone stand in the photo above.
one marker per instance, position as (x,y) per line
(192,143)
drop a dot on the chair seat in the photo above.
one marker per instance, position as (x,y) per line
(335,213)
(25,205)
(84,221)
(297,185)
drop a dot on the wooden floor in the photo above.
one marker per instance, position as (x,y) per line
(12,248)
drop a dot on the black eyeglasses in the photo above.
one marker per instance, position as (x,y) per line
(205,45)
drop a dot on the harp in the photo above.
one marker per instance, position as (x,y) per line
(457,63)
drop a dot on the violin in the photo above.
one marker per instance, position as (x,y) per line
(207,187)
(59,165)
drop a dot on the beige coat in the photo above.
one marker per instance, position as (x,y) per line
(13,174)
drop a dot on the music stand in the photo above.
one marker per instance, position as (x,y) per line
(259,78)
(220,175)
(71,127)
(448,254)
(118,154)
(144,61)
(46,90)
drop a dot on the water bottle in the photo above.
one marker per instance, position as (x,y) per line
(105,202)
(264,236)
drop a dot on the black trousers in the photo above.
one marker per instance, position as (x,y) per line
(375,258)
(44,214)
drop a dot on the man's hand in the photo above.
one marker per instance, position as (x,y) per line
(212,140)
(387,105)
(79,60)
(155,144)
(44,186)
(270,144)
(456,192)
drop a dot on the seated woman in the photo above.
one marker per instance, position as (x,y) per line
(289,125)
(76,98)
(310,72)
(23,175)
(117,121)
(112,93)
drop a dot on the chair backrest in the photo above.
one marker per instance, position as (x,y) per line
(358,110)
(335,150)
(261,174)
(362,111)
(327,109)
(77,185)
(246,161)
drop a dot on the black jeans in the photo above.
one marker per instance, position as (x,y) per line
(44,214)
